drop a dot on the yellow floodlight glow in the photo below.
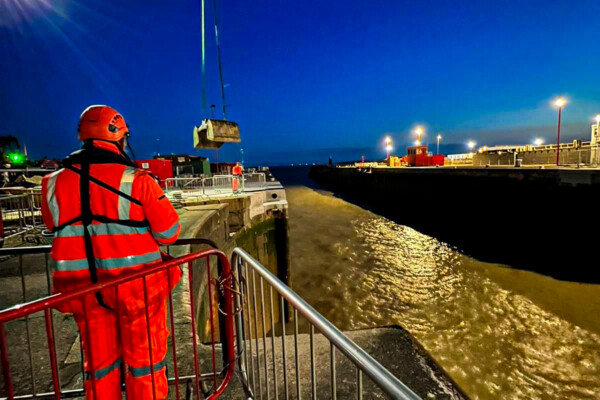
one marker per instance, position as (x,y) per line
(471,144)
(439,137)
(560,102)
(388,140)
(538,141)
(598,118)
(389,147)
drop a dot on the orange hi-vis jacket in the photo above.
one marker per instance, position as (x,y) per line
(127,215)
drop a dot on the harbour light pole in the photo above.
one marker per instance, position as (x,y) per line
(419,132)
(596,156)
(560,103)
(439,137)
(388,147)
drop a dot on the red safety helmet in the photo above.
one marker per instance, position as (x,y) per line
(102,122)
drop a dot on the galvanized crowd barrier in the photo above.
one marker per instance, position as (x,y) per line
(197,383)
(252,328)
(253,180)
(20,214)
(216,185)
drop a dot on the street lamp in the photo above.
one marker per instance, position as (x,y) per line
(439,137)
(596,138)
(471,144)
(560,103)
(538,141)
(419,132)
(388,147)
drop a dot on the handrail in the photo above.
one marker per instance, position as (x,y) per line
(15,251)
(34,306)
(391,385)
(223,287)
(215,183)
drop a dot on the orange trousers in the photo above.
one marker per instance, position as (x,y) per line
(123,341)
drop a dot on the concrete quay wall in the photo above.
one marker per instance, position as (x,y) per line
(569,156)
(541,220)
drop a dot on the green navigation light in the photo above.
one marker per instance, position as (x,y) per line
(16,158)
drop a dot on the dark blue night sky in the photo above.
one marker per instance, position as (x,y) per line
(305,79)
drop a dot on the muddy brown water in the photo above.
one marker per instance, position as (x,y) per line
(501,333)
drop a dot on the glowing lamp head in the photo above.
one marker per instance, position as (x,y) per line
(388,147)
(419,131)
(560,102)
(388,140)
(598,118)
(439,137)
(471,144)
(539,141)
(16,158)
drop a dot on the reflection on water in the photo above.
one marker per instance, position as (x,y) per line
(500,333)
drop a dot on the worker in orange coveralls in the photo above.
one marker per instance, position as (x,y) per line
(108,218)
(237,174)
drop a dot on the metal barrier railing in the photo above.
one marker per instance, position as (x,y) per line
(253,180)
(246,269)
(184,183)
(222,290)
(20,213)
(215,185)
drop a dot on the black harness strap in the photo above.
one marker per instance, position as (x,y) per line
(64,225)
(105,220)
(84,157)
(126,222)
(105,185)
(86,219)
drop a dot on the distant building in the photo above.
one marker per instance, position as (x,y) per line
(187,165)
(419,156)
(221,168)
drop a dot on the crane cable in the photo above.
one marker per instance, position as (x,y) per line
(203,63)
(216,17)
(219,58)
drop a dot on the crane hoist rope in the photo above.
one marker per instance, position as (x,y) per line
(213,133)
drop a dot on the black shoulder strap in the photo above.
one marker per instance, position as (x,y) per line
(104,185)
(86,219)
(93,155)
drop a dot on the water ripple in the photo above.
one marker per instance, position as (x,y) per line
(480,321)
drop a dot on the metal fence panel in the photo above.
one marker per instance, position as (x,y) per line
(247,272)
(216,185)
(219,288)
